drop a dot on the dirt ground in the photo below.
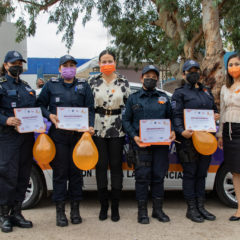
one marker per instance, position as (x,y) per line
(180,228)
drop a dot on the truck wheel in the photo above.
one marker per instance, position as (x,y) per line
(224,187)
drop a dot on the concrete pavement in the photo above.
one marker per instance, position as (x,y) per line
(180,228)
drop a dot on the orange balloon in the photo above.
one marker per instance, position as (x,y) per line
(204,142)
(44,149)
(85,153)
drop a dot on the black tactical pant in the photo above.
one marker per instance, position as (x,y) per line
(150,170)
(67,178)
(194,177)
(15,165)
(110,155)
(195,168)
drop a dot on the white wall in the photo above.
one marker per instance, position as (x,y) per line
(30,79)
(7,41)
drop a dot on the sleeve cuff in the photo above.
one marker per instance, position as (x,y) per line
(132,134)
(3,120)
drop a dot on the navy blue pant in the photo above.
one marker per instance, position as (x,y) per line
(16,160)
(194,177)
(67,178)
(153,175)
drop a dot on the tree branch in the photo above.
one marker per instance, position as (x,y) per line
(41,6)
(190,46)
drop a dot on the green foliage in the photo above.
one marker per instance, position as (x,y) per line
(130,22)
(5,9)
(230,25)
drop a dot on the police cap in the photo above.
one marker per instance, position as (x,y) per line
(150,68)
(67,58)
(189,64)
(13,56)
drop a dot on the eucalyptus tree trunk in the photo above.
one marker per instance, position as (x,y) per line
(212,64)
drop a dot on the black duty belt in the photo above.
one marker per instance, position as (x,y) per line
(104,111)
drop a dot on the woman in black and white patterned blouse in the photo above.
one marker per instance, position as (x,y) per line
(110,91)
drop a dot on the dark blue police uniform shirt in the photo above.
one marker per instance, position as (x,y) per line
(145,105)
(188,97)
(57,93)
(14,94)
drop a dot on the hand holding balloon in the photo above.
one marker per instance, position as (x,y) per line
(91,131)
(187,133)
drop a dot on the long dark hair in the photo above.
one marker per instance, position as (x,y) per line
(3,71)
(104,52)
(229,78)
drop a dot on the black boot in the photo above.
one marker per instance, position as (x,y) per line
(103,198)
(17,218)
(158,212)
(192,211)
(5,222)
(206,215)
(61,219)
(115,217)
(75,214)
(142,212)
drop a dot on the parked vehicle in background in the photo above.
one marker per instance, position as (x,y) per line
(218,178)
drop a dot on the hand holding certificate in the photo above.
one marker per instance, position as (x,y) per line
(155,132)
(73,118)
(199,120)
(31,120)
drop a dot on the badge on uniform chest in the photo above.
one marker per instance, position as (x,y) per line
(79,86)
(162,100)
(13,104)
(57,99)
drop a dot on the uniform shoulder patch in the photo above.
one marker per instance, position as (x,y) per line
(81,80)
(163,94)
(54,79)
(3,79)
(24,82)
(137,92)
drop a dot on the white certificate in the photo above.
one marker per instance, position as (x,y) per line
(155,131)
(73,118)
(31,119)
(199,120)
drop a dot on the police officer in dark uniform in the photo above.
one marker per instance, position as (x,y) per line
(66,91)
(151,164)
(16,148)
(192,95)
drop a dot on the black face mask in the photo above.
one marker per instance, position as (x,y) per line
(40,85)
(149,83)
(15,70)
(193,77)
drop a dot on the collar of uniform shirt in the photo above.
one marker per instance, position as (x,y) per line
(68,84)
(147,93)
(14,80)
(200,86)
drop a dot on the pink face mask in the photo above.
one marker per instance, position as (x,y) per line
(68,73)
